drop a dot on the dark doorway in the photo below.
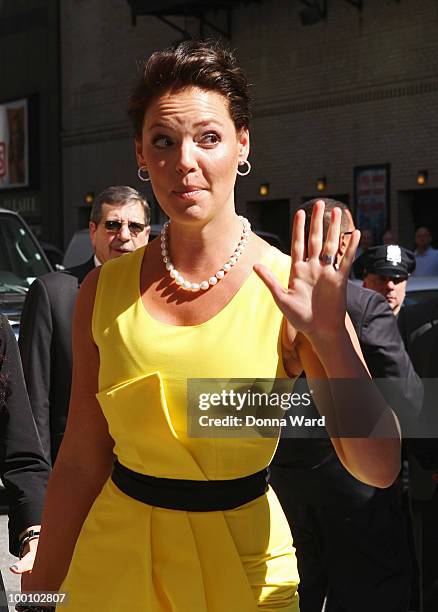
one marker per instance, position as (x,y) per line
(417,208)
(83,216)
(271,216)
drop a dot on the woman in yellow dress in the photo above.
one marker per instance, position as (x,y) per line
(179,523)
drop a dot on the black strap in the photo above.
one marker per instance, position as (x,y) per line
(190,495)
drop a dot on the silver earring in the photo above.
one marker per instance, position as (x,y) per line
(140,176)
(248,168)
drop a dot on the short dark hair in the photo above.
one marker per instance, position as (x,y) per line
(204,64)
(118,195)
(330,204)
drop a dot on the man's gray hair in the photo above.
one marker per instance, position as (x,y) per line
(118,195)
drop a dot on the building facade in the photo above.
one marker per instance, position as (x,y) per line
(30,150)
(347,103)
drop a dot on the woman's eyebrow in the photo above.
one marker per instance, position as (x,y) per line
(201,123)
(205,122)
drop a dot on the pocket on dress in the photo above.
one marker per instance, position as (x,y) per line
(140,424)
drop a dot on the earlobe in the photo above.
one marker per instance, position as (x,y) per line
(243,144)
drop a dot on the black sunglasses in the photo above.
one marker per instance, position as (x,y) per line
(114,227)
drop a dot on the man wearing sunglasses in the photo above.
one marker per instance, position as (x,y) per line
(119,224)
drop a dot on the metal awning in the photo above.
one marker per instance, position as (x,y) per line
(216,15)
(209,13)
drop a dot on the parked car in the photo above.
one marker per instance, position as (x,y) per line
(274,240)
(80,248)
(21,261)
(418,289)
(421,289)
(53,254)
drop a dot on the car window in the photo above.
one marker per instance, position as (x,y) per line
(20,258)
(414,297)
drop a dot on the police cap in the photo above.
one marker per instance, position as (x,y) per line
(389,260)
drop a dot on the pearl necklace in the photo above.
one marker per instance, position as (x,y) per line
(213,280)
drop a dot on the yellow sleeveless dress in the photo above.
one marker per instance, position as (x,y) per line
(134,557)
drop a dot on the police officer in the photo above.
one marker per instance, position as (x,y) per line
(386,270)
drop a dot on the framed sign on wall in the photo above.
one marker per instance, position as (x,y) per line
(372,198)
(14,144)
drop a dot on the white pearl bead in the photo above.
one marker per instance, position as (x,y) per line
(187,285)
(232,261)
(212,280)
(204,285)
(194,286)
(169,266)
(179,280)
(220,274)
(174,273)
(237,253)
(226,267)
(166,260)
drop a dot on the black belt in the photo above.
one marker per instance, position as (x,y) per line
(190,495)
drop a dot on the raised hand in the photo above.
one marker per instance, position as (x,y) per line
(314,302)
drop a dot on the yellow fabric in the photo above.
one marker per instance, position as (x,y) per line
(131,556)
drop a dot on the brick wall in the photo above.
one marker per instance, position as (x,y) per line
(357,89)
